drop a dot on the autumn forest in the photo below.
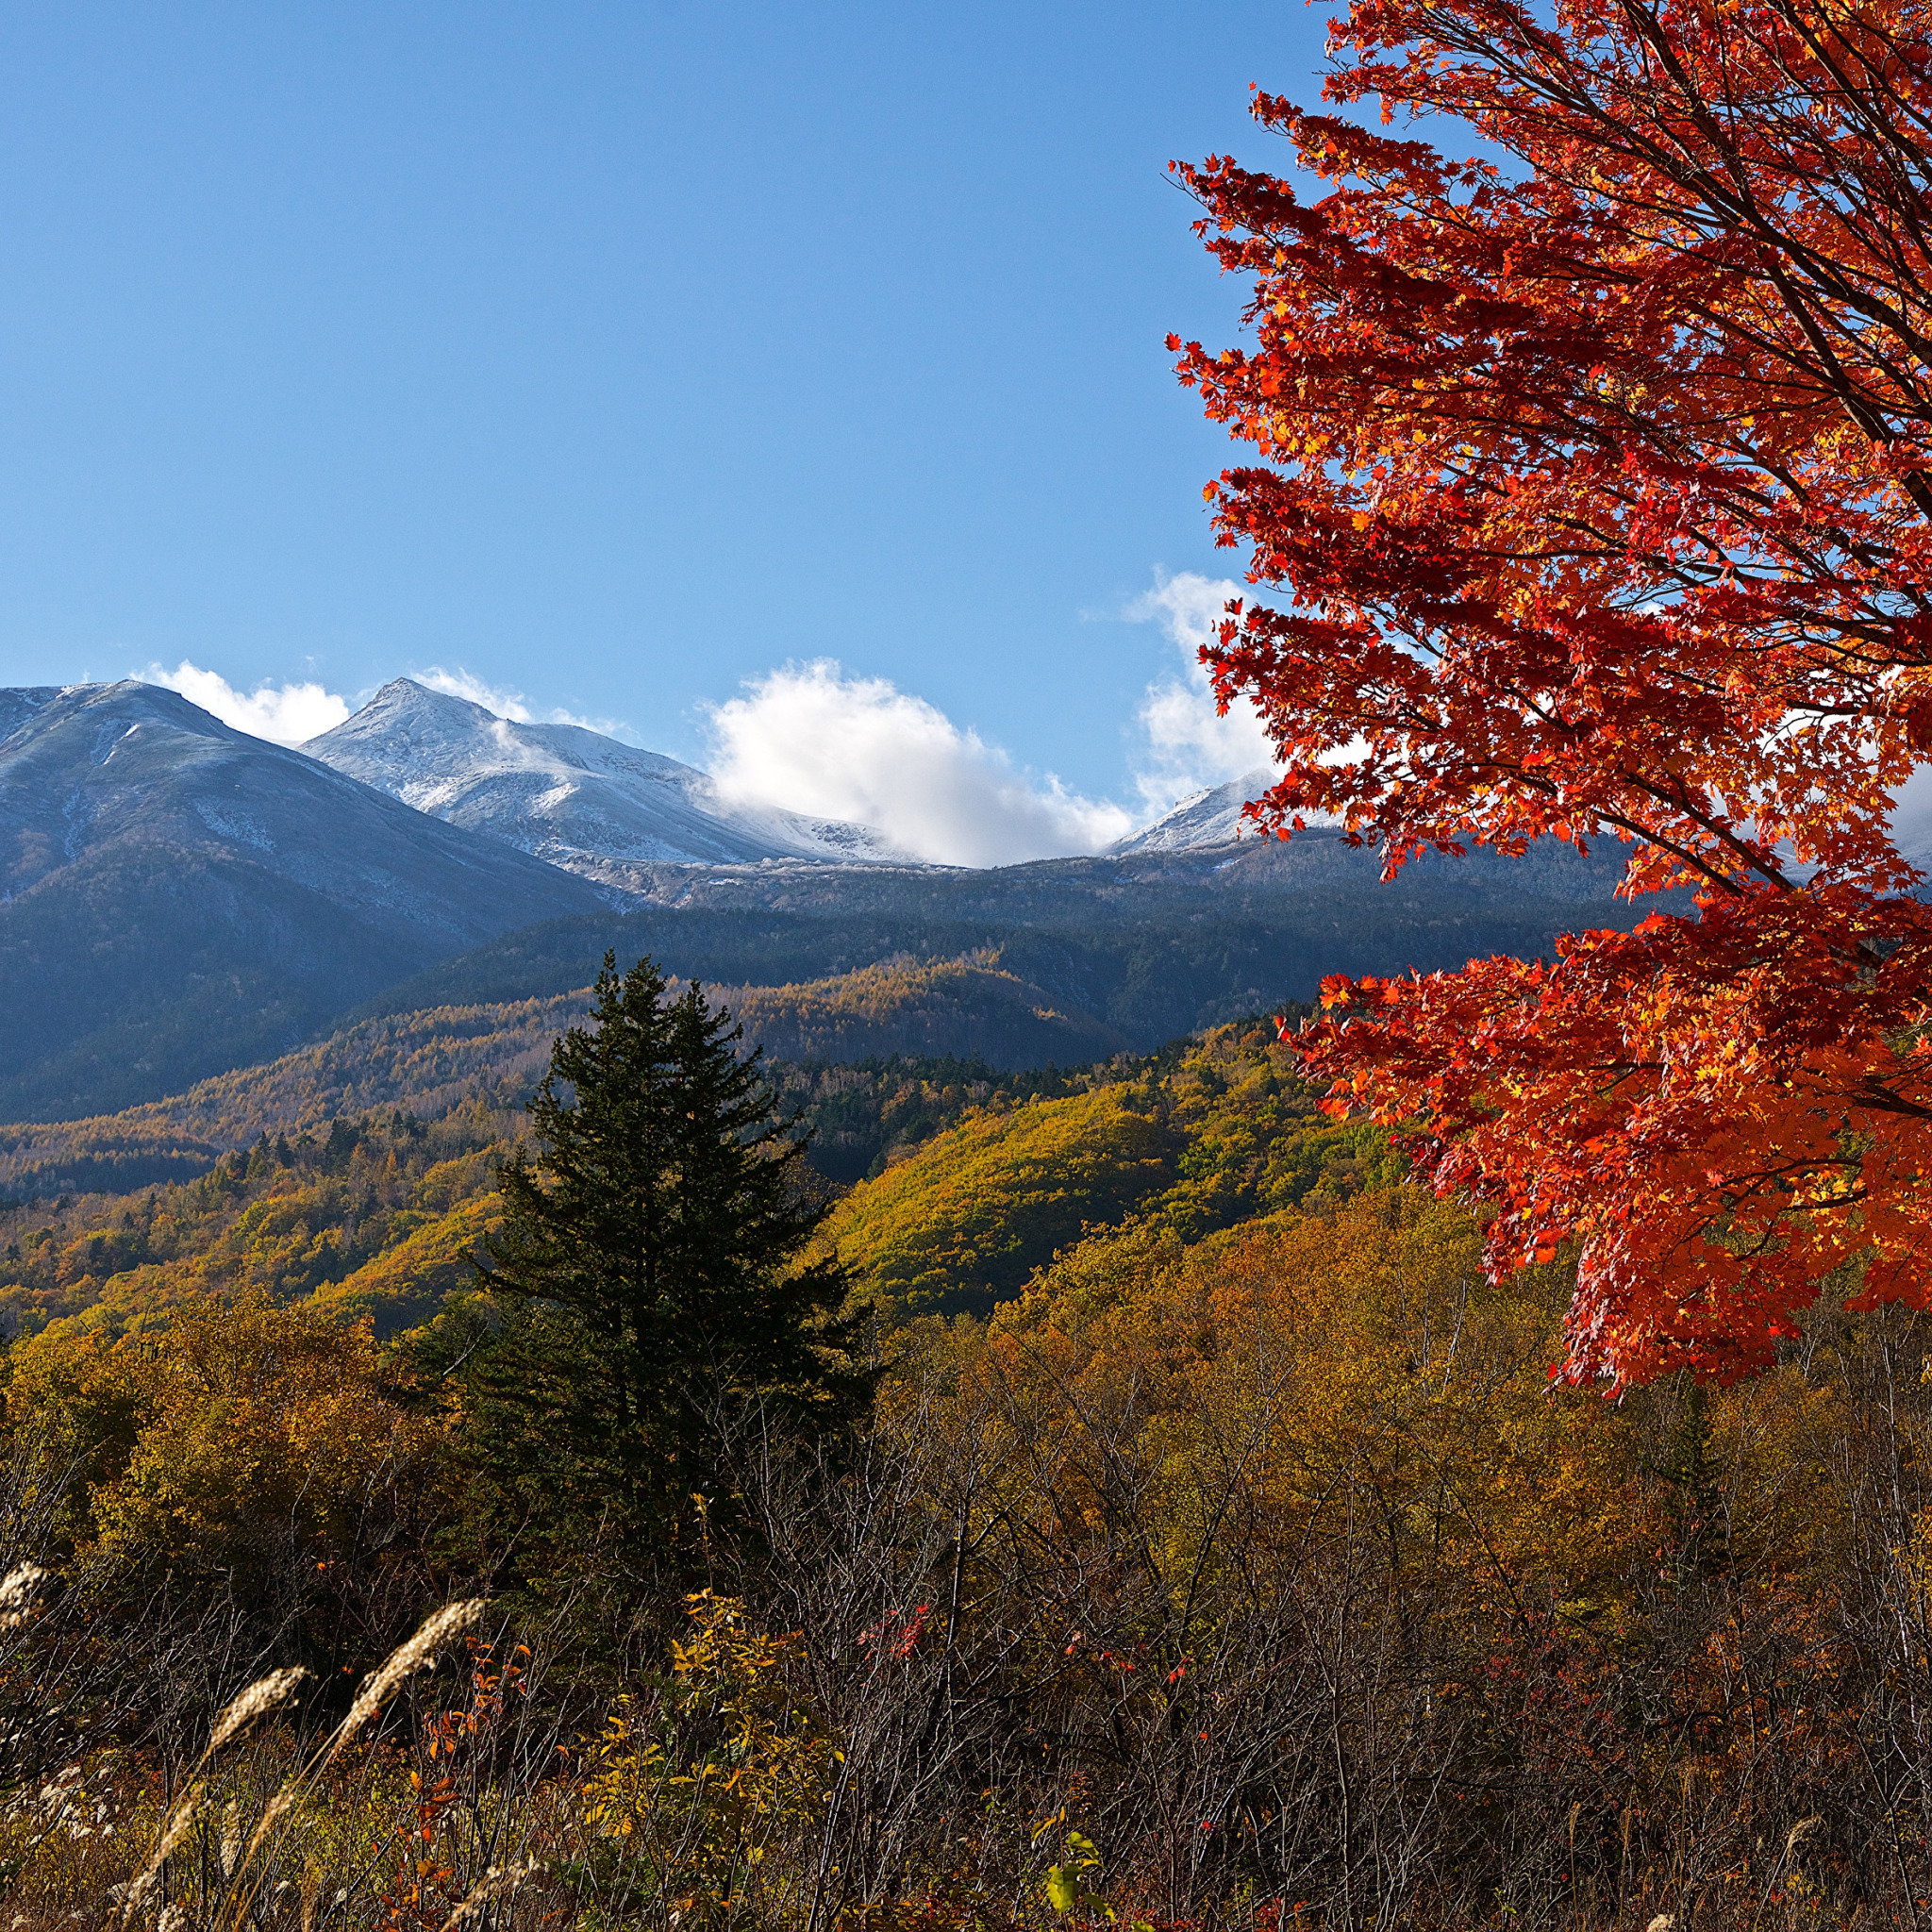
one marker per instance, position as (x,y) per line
(1452,1454)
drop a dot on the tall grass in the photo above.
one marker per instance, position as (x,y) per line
(1053,1649)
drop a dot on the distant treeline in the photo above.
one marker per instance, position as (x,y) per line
(948,1014)
(976,1176)
(1153,946)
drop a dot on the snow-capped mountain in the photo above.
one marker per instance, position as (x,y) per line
(91,767)
(19,702)
(566,795)
(1206,818)
(172,890)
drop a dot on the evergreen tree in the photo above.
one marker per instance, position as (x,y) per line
(648,1270)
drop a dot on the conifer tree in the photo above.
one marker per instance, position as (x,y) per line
(648,1268)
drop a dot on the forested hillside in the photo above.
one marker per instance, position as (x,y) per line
(289,1219)
(1207,1470)
(370,1209)
(177,897)
(1149,945)
(967,1010)
(1210,1136)
(425,1062)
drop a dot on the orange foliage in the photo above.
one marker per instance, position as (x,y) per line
(1314,1363)
(230,1420)
(1600,482)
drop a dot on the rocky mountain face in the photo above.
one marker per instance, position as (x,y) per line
(176,897)
(1205,819)
(574,798)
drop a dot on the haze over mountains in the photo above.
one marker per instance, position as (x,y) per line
(178,899)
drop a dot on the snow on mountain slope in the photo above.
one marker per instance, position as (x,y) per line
(1207,818)
(94,765)
(571,796)
(175,894)
(19,702)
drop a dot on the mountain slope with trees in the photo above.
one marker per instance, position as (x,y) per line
(1251,1483)
(966,1014)
(967,1010)
(1210,1134)
(178,898)
(1153,944)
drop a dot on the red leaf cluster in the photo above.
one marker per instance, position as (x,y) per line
(1596,500)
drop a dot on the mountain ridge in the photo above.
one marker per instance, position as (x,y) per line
(1156,944)
(1204,819)
(176,896)
(574,798)
(431,1062)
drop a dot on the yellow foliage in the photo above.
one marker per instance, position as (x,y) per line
(1340,1376)
(694,1795)
(230,1421)
(964,1007)
(406,1284)
(964,1219)
(1221,1136)
(285,1220)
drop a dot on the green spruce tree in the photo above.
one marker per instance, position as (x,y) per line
(648,1270)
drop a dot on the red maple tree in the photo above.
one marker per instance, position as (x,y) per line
(1596,490)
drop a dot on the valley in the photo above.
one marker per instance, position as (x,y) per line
(900,1321)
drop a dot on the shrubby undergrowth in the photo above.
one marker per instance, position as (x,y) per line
(1242,1570)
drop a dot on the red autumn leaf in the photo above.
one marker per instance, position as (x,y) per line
(1594,500)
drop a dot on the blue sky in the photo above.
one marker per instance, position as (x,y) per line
(617,354)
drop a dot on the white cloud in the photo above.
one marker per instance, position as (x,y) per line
(809,737)
(462,684)
(285,714)
(1189,745)
(512,703)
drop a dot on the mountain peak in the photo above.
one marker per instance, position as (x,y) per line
(406,690)
(173,891)
(403,697)
(565,794)
(1212,817)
